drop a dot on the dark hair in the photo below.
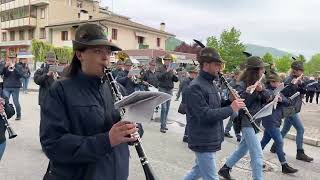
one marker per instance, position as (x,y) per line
(75,65)
(250,76)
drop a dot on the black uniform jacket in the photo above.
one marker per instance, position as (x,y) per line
(205,114)
(44,81)
(74,131)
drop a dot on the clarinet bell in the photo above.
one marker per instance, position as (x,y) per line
(11,133)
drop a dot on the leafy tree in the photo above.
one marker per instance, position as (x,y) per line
(229,47)
(301,58)
(283,63)
(268,58)
(312,67)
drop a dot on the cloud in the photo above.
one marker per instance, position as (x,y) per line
(291,25)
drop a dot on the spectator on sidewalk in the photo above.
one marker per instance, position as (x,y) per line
(26,75)
(12,73)
(318,90)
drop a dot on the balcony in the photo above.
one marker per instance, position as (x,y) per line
(39,2)
(19,23)
(15,43)
(143,46)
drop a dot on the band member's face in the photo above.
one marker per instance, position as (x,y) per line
(128,67)
(193,74)
(296,73)
(261,71)
(152,67)
(167,62)
(94,59)
(275,84)
(51,61)
(215,68)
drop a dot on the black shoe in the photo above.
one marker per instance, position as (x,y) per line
(273,148)
(286,169)
(225,172)
(185,139)
(302,156)
(163,130)
(166,128)
(238,138)
(228,135)
(18,118)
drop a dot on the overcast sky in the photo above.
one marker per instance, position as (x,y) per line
(290,25)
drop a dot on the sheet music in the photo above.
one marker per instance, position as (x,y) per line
(139,106)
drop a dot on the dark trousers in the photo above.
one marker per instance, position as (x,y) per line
(317,97)
(309,96)
(15,96)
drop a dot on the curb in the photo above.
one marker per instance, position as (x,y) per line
(306,140)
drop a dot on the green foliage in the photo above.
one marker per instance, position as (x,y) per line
(283,63)
(312,67)
(229,47)
(301,58)
(39,50)
(268,58)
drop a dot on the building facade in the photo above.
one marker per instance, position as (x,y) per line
(55,22)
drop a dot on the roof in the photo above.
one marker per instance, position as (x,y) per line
(116,20)
(153,53)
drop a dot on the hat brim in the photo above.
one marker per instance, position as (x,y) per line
(210,59)
(100,42)
(263,65)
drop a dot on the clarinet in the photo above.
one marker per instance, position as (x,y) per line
(235,95)
(11,133)
(137,144)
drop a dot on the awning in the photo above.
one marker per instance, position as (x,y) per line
(187,61)
(27,55)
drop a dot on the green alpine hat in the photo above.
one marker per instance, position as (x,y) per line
(168,57)
(274,77)
(92,35)
(51,56)
(192,69)
(209,55)
(297,65)
(254,62)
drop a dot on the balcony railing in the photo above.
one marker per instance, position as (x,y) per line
(143,46)
(39,2)
(23,22)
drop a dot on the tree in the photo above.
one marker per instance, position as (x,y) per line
(283,63)
(229,47)
(312,67)
(185,48)
(268,58)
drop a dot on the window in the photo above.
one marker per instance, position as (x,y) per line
(90,17)
(4,36)
(158,42)
(140,39)
(21,35)
(64,35)
(42,33)
(12,35)
(79,4)
(31,34)
(42,13)
(114,34)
